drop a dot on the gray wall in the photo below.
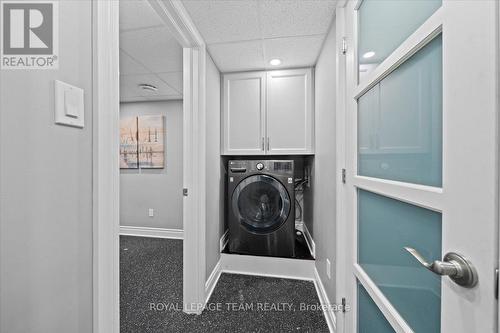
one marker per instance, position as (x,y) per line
(46,191)
(324,170)
(215,192)
(160,189)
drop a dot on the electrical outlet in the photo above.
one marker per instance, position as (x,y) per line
(328,269)
(151,212)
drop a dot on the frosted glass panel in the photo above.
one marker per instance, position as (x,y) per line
(385,24)
(370,319)
(385,226)
(400,122)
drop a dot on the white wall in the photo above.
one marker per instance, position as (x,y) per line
(215,192)
(324,171)
(46,191)
(160,189)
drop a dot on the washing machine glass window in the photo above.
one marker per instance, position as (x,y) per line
(261,203)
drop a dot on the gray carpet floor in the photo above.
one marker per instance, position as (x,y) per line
(151,296)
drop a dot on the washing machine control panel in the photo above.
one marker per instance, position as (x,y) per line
(283,167)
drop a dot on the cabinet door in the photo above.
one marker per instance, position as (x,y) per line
(244,113)
(289,112)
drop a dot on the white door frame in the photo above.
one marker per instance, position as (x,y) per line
(105,166)
(342,236)
(498,146)
(347,250)
(174,15)
(106,180)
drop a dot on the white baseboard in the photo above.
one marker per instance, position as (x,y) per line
(287,268)
(223,240)
(309,241)
(325,302)
(307,235)
(212,281)
(151,232)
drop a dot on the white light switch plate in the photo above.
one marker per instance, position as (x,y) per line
(69,105)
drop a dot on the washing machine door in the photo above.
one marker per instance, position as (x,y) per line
(261,203)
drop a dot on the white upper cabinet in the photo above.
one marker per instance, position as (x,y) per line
(289,112)
(268,113)
(244,113)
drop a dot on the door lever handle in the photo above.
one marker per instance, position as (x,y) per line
(455,266)
(438,267)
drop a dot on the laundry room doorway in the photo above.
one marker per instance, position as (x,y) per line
(107,159)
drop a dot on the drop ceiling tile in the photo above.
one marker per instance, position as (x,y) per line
(129,86)
(137,14)
(128,89)
(174,79)
(155,48)
(233,57)
(129,66)
(225,21)
(284,18)
(293,51)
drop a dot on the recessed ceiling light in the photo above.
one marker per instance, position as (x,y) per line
(150,87)
(368,54)
(275,62)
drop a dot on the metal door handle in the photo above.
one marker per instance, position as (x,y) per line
(454,265)
(268,143)
(263,144)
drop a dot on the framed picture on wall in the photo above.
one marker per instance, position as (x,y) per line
(151,145)
(142,142)
(128,143)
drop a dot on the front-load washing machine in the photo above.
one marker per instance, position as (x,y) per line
(261,207)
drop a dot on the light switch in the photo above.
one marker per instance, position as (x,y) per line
(69,105)
(72,103)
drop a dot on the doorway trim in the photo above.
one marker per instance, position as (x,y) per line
(176,18)
(105,167)
(341,125)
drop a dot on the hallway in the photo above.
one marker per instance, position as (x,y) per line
(249,166)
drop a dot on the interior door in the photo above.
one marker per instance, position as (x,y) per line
(421,160)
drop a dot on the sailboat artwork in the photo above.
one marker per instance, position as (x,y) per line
(151,147)
(142,142)
(128,143)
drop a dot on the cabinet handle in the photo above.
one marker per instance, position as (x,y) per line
(263,148)
(268,144)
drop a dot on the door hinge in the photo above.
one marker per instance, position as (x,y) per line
(343,176)
(185,192)
(343,304)
(496,283)
(344,46)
